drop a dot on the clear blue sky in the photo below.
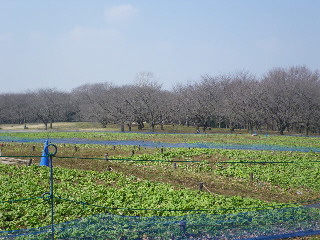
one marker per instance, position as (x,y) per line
(67,43)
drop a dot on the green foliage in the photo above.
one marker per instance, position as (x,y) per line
(109,189)
(285,169)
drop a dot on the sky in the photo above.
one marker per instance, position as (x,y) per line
(64,44)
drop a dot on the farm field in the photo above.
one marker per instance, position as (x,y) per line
(177,133)
(238,139)
(135,179)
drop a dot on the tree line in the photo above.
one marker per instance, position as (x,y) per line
(284,99)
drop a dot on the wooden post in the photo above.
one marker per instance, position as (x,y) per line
(175,165)
(109,168)
(132,152)
(33,148)
(1,146)
(139,147)
(30,162)
(114,148)
(251,177)
(106,156)
(200,186)
(183,226)
(75,148)
(161,150)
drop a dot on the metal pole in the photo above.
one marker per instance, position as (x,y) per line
(51,197)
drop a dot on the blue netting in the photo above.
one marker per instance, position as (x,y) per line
(149,144)
(263,224)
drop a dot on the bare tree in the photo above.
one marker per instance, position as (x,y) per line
(192,106)
(144,99)
(306,100)
(21,108)
(285,99)
(242,100)
(201,104)
(47,105)
(94,102)
(5,104)
(277,98)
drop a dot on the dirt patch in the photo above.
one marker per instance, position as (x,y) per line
(15,161)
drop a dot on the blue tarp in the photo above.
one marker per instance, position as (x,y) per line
(149,144)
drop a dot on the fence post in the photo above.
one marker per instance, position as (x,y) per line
(51,198)
(200,186)
(30,162)
(106,156)
(251,177)
(183,226)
